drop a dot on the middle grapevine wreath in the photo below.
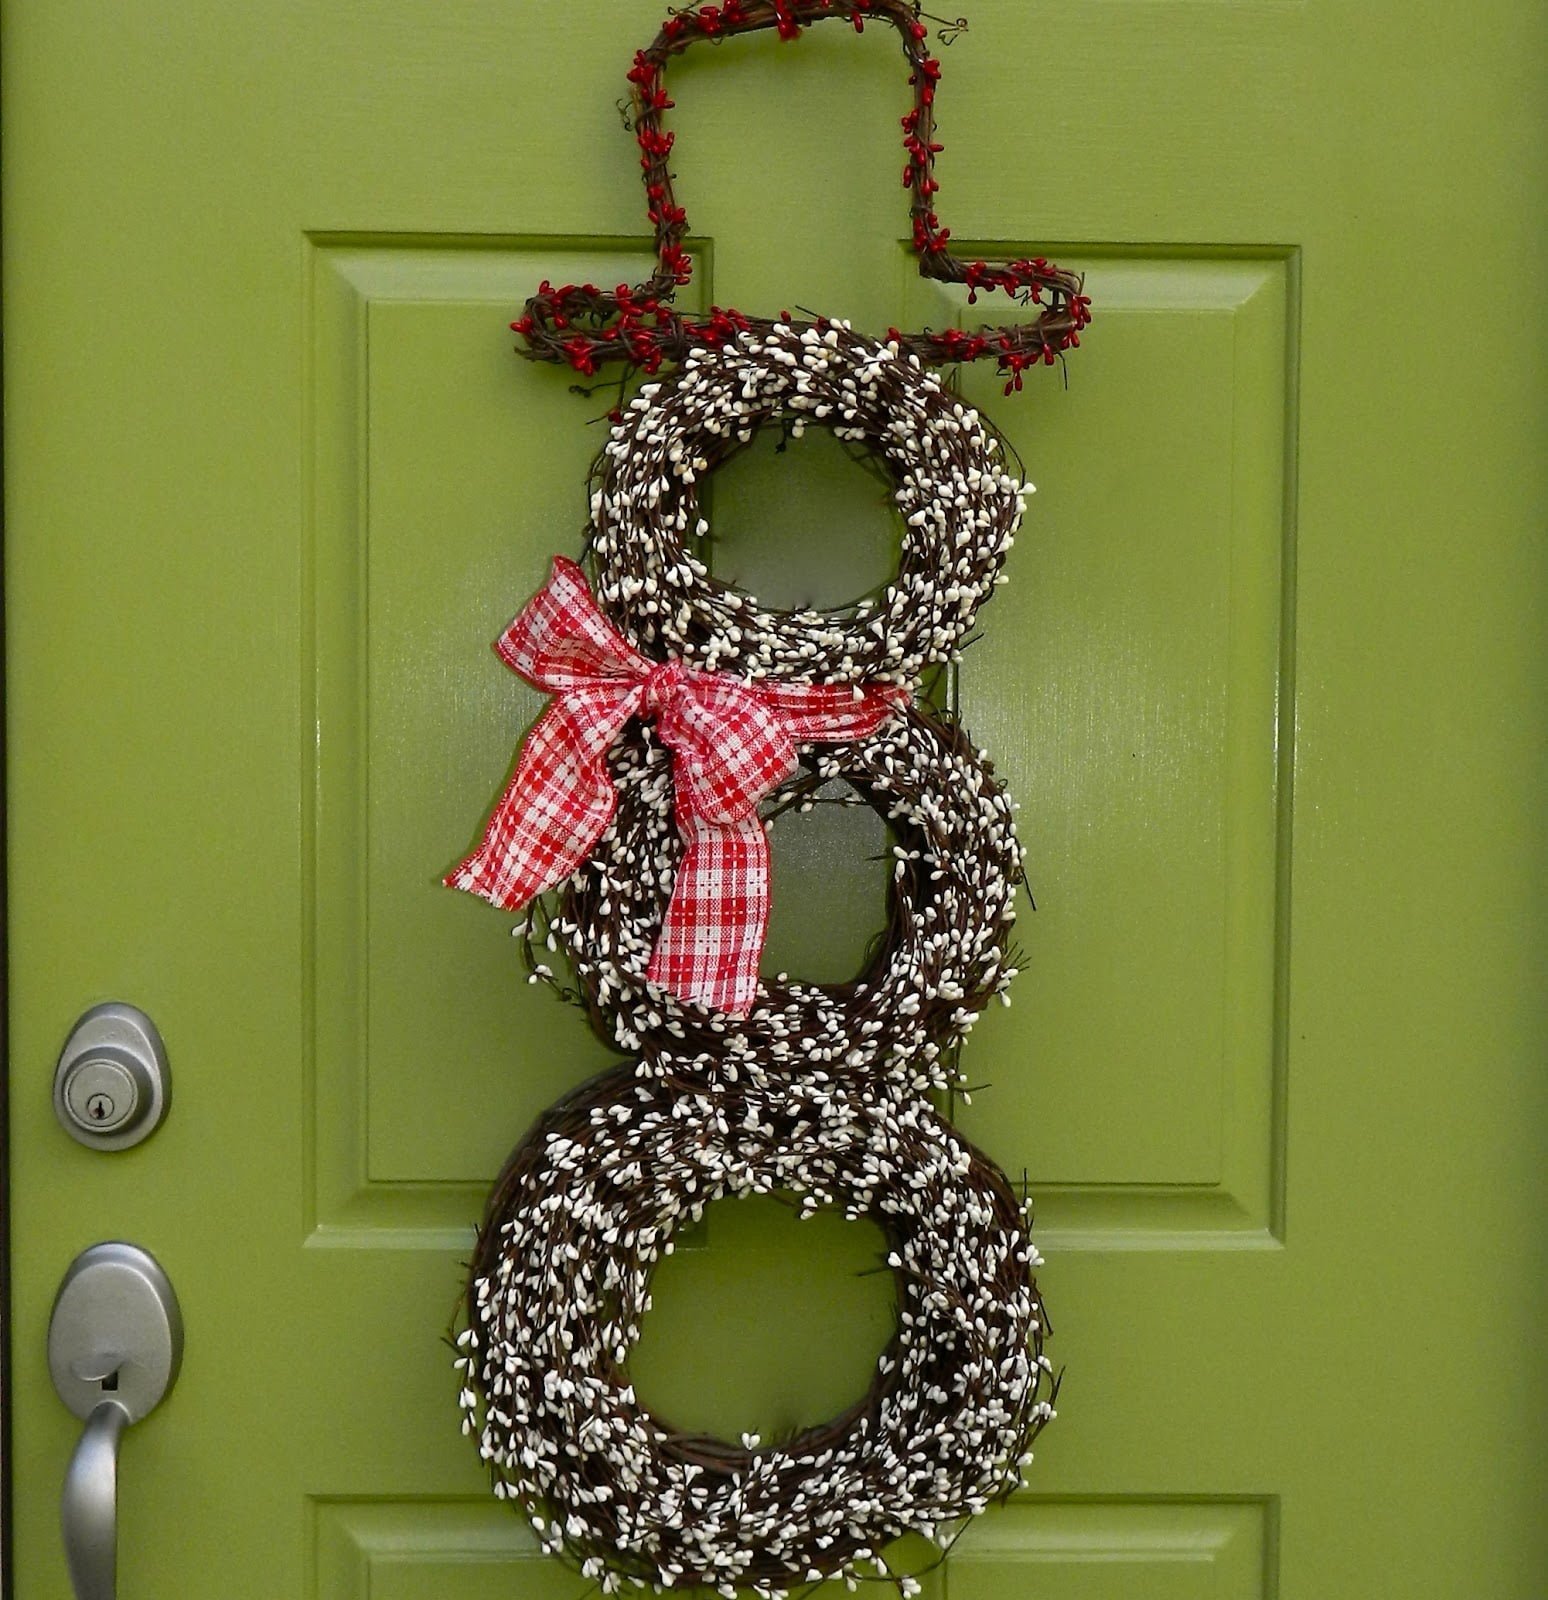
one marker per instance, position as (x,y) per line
(684,716)
(956,868)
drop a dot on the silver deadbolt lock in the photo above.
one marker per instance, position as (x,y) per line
(112,1085)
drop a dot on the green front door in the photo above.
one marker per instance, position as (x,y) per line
(1266,681)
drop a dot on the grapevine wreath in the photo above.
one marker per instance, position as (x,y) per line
(684,717)
(583,1211)
(941,959)
(958,501)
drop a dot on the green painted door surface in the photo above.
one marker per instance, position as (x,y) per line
(1267,681)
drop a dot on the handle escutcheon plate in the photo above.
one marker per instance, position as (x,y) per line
(115,1343)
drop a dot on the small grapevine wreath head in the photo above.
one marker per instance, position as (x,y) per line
(957,498)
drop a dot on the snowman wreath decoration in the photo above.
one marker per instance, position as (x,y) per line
(683,716)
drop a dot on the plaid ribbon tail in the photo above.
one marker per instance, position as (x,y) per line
(712,936)
(555,807)
(732,745)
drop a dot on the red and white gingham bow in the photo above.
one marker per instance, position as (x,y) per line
(731,742)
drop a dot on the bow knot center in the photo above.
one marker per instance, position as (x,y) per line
(661,688)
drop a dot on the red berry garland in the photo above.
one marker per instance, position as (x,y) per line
(588,327)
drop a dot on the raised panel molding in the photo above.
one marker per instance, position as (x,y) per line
(428,1549)
(1134,686)
(473,1550)
(1038,1549)
(1115,1550)
(444,473)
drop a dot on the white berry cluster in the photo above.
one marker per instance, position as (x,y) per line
(587,1207)
(960,506)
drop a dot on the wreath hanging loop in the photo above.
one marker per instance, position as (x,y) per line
(586,326)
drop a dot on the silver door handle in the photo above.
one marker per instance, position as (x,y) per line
(89,1510)
(115,1343)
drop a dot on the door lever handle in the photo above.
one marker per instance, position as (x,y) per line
(115,1343)
(89,1511)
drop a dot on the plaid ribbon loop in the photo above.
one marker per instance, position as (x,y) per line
(732,742)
